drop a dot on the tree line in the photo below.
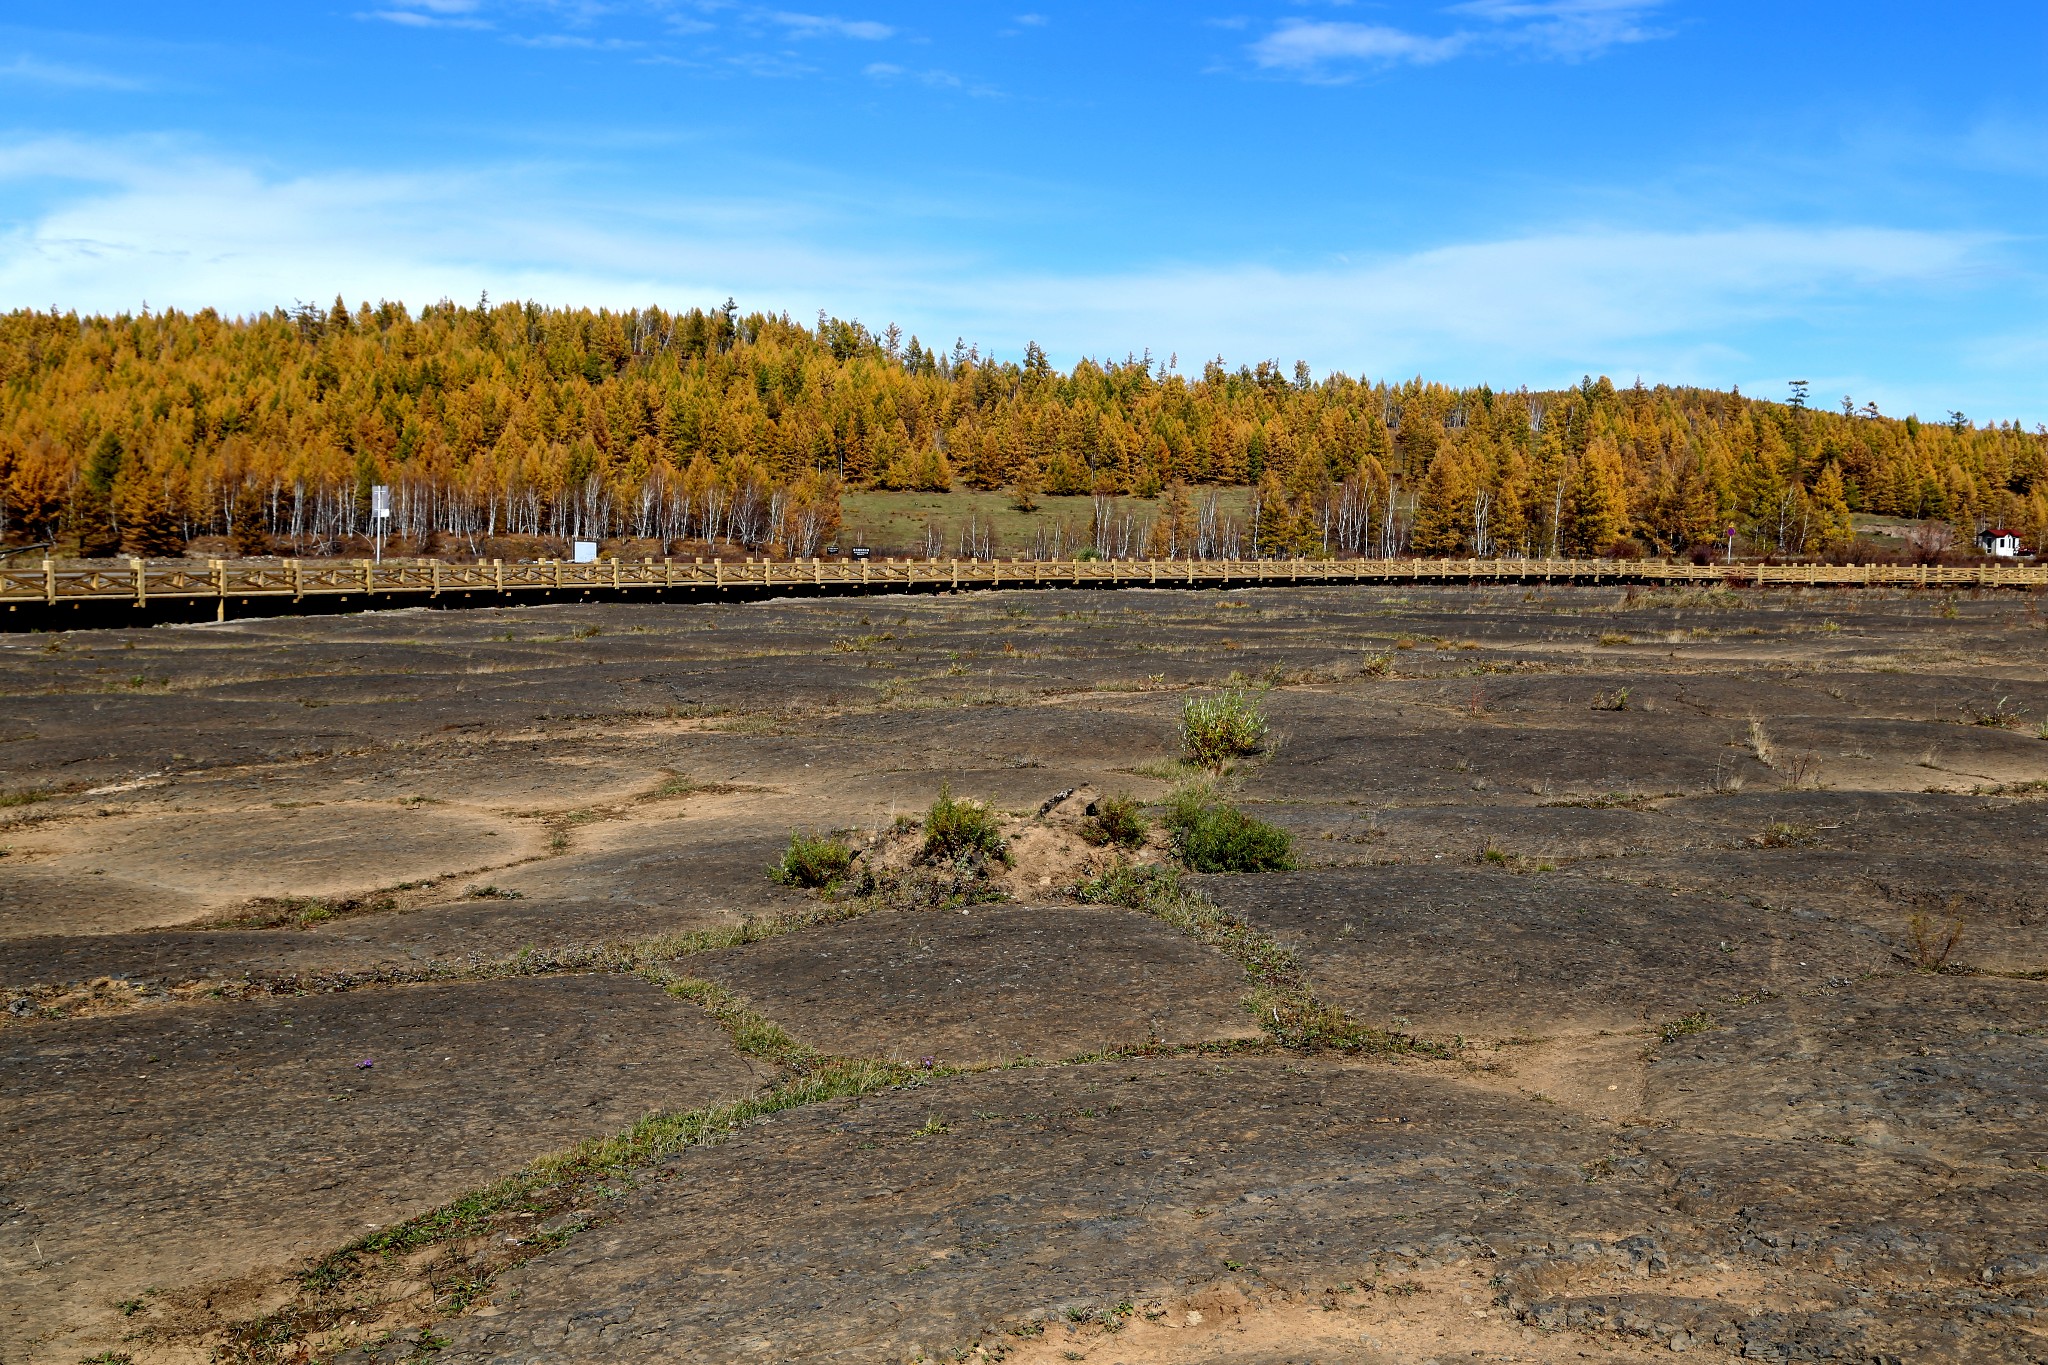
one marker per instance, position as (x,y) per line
(136,433)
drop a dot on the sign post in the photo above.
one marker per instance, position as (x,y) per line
(380,516)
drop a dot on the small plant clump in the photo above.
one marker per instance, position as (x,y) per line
(1699,1021)
(1115,821)
(1209,836)
(955,829)
(1214,730)
(811,860)
(1935,933)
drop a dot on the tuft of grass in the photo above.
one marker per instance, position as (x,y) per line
(1616,700)
(1616,637)
(1214,730)
(1933,935)
(751,1031)
(1784,834)
(1209,836)
(2001,715)
(28,796)
(1117,821)
(811,860)
(1699,1021)
(955,828)
(1760,743)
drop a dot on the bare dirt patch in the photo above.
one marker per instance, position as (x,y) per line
(169,1148)
(1595,1022)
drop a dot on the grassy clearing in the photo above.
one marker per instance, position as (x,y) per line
(895,523)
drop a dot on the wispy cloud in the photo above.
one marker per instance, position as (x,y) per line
(27,70)
(430,14)
(830,26)
(574,42)
(1311,46)
(888,73)
(1567,28)
(1333,50)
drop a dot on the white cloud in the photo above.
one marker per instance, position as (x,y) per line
(1569,29)
(830,26)
(34,71)
(180,227)
(1305,45)
(443,14)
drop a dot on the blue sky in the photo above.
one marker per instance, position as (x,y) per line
(1498,191)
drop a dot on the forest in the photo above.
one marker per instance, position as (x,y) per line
(136,434)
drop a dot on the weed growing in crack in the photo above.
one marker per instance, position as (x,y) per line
(1760,743)
(1280,998)
(1214,730)
(2001,715)
(1699,1021)
(1616,700)
(1933,934)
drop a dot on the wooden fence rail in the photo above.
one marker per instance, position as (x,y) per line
(141,582)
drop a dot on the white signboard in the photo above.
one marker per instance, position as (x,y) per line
(586,552)
(380,501)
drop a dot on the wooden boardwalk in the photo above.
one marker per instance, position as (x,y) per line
(227,583)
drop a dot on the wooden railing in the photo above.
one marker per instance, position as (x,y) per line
(142,582)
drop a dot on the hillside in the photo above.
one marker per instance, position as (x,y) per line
(136,434)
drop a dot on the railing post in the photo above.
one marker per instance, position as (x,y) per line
(498,573)
(298,581)
(220,588)
(436,569)
(141,572)
(49,581)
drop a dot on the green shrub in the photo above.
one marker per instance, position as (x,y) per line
(955,829)
(1115,820)
(1214,730)
(1211,837)
(811,860)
